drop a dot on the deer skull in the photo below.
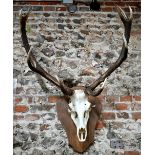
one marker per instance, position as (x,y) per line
(81,119)
(79,107)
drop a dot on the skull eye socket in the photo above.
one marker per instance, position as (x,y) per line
(69,101)
(87,111)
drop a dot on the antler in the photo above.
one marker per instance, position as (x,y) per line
(127,22)
(31,60)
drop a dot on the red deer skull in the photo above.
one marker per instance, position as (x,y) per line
(81,108)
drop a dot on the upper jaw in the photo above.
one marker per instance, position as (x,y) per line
(82,134)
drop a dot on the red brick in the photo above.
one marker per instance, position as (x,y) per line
(107,9)
(124,115)
(126,9)
(114,3)
(21,108)
(136,115)
(108,106)
(100,125)
(136,33)
(49,8)
(18,100)
(109,3)
(137,98)
(133,4)
(53,99)
(111,99)
(131,153)
(135,106)
(121,106)
(37,3)
(87,72)
(61,8)
(117,125)
(18,117)
(32,117)
(54,3)
(125,98)
(29,100)
(33,3)
(108,115)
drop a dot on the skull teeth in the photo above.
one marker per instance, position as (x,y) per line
(82,134)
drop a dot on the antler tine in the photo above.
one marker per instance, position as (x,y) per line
(121,13)
(31,60)
(131,13)
(127,22)
(97,92)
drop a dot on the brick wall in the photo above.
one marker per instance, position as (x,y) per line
(85,43)
(57,5)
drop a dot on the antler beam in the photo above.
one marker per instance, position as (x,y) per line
(127,22)
(31,60)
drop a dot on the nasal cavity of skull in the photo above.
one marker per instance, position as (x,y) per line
(85,113)
(75,114)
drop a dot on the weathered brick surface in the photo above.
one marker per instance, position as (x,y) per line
(136,115)
(20,108)
(109,115)
(126,98)
(137,98)
(78,48)
(131,153)
(52,99)
(42,121)
(121,106)
(32,117)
